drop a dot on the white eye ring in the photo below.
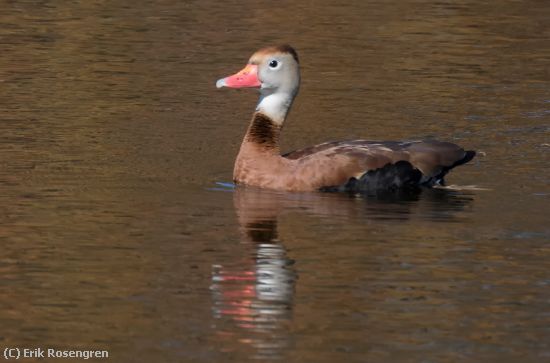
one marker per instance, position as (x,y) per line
(274,64)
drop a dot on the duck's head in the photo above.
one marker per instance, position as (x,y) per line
(272,70)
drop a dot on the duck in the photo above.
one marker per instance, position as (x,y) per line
(352,165)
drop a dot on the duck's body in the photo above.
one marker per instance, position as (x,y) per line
(357,165)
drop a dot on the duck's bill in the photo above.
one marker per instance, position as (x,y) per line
(247,77)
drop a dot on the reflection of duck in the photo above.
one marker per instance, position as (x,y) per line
(357,165)
(253,296)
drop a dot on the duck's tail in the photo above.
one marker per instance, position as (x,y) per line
(438,179)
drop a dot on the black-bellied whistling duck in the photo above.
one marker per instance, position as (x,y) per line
(356,165)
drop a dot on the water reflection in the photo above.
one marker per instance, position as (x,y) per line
(253,296)
(256,292)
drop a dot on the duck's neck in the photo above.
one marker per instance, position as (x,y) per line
(268,120)
(259,155)
(263,133)
(275,106)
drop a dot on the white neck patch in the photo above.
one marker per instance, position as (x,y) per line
(275,106)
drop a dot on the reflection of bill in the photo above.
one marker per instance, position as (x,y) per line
(258,292)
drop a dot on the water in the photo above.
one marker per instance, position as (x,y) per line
(116,235)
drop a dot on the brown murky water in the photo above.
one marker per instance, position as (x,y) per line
(116,236)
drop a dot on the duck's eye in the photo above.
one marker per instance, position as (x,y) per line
(273,64)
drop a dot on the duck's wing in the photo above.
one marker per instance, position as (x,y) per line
(432,158)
